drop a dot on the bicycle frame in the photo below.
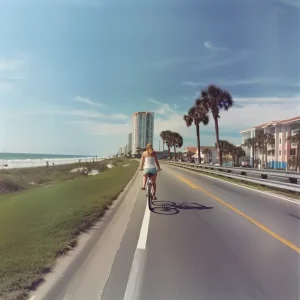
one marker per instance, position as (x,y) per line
(149,192)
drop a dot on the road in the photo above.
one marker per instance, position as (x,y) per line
(210,240)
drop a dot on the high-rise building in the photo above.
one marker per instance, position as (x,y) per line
(142,129)
(120,151)
(130,142)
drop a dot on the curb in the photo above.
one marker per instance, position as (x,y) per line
(82,248)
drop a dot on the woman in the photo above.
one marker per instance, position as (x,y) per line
(148,161)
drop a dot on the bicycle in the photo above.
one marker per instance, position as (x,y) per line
(150,190)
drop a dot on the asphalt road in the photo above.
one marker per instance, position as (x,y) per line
(205,239)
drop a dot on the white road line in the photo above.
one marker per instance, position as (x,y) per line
(144,230)
(137,268)
(245,187)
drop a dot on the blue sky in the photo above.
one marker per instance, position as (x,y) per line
(73,71)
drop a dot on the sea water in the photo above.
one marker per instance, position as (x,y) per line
(26,160)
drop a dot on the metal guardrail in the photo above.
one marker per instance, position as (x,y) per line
(292,176)
(241,174)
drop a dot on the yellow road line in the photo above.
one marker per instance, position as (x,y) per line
(261,226)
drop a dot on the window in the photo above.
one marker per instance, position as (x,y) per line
(279,153)
(284,152)
(279,141)
(293,152)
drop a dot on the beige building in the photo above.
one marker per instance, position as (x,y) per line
(280,153)
(210,157)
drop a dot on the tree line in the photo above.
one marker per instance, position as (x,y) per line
(211,102)
(170,138)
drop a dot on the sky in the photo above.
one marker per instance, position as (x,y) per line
(72,72)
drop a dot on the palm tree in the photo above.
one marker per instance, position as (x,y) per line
(163,137)
(197,114)
(206,152)
(236,153)
(263,140)
(168,140)
(214,98)
(176,141)
(252,143)
(291,161)
(225,148)
(296,139)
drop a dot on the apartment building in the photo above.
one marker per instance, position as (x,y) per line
(211,157)
(279,153)
(129,143)
(142,130)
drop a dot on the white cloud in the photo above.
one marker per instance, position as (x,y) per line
(4,86)
(10,64)
(177,60)
(209,45)
(88,101)
(218,62)
(104,128)
(293,3)
(10,72)
(90,114)
(192,83)
(81,113)
(250,81)
(252,112)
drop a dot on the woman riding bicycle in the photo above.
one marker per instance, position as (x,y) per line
(148,161)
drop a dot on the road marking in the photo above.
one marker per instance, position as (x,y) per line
(137,268)
(144,230)
(243,186)
(261,226)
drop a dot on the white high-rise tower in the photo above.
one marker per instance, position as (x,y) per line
(142,129)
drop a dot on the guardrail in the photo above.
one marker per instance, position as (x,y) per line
(245,175)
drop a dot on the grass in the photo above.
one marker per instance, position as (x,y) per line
(13,180)
(40,224)
(293,195)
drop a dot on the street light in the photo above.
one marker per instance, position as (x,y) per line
(158,143)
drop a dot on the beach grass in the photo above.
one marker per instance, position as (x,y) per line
(14,180)
(38,225)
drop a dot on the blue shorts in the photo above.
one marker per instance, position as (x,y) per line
(150,170)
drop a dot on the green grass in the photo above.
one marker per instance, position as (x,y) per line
(39,224)
(13,180)
(293,195)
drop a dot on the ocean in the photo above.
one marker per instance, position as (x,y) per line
(26,160)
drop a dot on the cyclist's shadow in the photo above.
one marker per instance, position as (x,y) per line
(172,208)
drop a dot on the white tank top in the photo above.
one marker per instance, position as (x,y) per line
(149,162)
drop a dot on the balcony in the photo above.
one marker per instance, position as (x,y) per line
(295,131)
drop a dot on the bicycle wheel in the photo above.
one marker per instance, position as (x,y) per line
(149,196)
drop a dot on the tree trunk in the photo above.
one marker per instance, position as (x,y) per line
(266,162)
(198,141)
(297,156)
(169,152)
(253,159)
(163,142)
(175,153)
(218,141)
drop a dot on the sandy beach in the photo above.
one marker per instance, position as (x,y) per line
(29,163)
